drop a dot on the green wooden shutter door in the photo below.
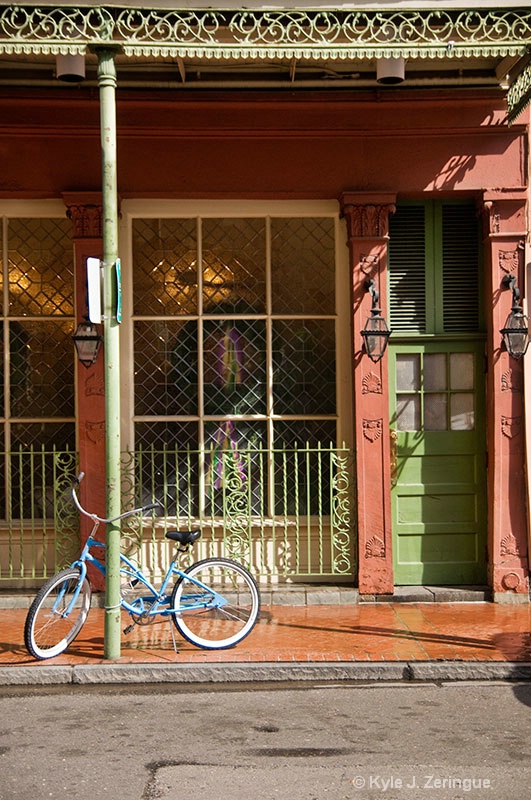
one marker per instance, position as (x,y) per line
(439,476)
(460,274)
(434,278)
(407,268)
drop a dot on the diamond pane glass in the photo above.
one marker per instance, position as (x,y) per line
(304,379)
(2,476)
(61,435)
(165,266)
(166,434)
(2,270)
(2,410)
(34,479)
(167,466)
(302,473)
(42,369)
(235,463)
(290,433)
(165,367)
(302,266)
(243,349)
(41,269)
(234,366)
(233,262)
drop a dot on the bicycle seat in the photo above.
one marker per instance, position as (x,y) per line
(183,537)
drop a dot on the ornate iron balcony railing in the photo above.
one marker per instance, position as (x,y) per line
(211,33)
(285,512)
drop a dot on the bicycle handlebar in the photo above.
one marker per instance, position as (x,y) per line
(141,510)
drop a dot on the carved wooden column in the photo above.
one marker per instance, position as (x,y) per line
(367,222)
(85,211)
(507,532)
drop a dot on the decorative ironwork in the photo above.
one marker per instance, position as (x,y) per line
(341,513)
(310,532)
(271,34)
(40,525)
(519,94)
(238,524)
(66,517)
(306,529)
(132,532)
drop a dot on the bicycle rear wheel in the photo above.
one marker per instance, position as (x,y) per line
(215,621)
(50,625)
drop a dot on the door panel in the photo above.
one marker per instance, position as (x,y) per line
(439,474)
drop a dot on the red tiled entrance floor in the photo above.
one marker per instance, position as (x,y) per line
(361,632)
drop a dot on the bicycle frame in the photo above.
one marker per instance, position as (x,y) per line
(149,605)
(220,621)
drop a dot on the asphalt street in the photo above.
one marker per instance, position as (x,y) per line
(444,741)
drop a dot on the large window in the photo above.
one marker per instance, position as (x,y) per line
(37,374)
(234,335)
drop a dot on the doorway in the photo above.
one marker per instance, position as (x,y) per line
(438,445)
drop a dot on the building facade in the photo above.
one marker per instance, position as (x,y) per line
(280,175)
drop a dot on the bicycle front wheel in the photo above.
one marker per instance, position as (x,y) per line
(216,603)
(55,617)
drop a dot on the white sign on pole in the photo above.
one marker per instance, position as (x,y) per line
(94,289)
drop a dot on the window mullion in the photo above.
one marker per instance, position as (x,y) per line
(5,353)
(269,374)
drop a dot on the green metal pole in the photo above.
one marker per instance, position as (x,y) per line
(107,88)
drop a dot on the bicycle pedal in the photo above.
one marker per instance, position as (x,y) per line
(129,629)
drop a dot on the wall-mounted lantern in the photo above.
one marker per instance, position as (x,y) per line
(516,329)
(88,342)
(376,332)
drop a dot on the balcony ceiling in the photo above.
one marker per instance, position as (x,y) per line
(296,49)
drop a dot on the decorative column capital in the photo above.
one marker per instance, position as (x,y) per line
(367,214)
(85,211)
(504,212)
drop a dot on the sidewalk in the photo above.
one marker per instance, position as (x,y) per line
(393,641)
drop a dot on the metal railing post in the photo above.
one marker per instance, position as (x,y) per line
(107,88)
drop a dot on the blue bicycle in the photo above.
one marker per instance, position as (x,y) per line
(214,603)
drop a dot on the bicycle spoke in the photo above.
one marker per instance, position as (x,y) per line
(200,617)
(48,630)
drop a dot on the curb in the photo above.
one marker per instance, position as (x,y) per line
(400,671)
(300,594)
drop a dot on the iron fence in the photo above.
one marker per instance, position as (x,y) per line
(39,528)
(285,512)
